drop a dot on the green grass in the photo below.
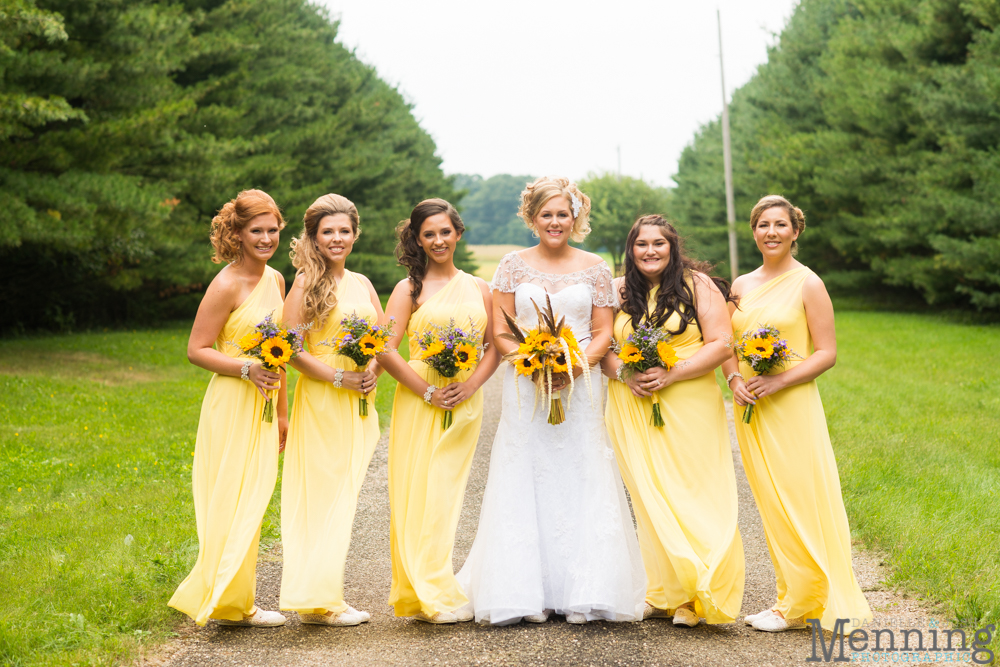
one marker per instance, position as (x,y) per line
(913,407)
(97,431)
(96,517)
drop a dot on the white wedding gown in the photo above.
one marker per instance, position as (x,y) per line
(555,531)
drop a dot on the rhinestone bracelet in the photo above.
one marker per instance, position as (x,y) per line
(428,393)
(338,378)
(245,373)
(729,378)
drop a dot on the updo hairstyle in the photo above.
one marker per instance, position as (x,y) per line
(234,216)
(795,215)
(535,195)
(320,295)
(409,253)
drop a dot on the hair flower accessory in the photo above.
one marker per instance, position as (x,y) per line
(576,204)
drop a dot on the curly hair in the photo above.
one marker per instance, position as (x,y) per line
(795,215)
(536,194)
(320,296)
(233,217)
(676,289)
(409,253)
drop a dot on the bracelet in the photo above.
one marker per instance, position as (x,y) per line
(729,378)
(618,372)
(338,378)
(428,393)
(245,373)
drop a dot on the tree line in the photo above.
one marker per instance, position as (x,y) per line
(124,127)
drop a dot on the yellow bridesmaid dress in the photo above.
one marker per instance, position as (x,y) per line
(682,484)
(233,475)
(790,465)
(326,457)
(429,466)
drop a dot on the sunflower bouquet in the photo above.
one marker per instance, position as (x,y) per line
(273,345)
(549,348)
(647,347)
(448,350)
(360,341)
(762,349)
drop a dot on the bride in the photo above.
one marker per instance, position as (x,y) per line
(555,533)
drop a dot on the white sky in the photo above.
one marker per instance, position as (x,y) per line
(554,87)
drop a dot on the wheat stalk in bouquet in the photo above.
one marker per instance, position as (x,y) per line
(543,351)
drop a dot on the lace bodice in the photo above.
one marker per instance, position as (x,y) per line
(573,295)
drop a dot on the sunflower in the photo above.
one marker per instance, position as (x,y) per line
(538,340)
(525,348)
(567,335)
(667,353)
(760,347)
(275,351)
(370,346)
(527,365)
(630,354)
(435,347)
(559,364)
(251,340)
(465,356)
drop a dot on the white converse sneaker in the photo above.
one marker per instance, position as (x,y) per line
(753,617)
(539,618)
(349,616)
(654,612)
(775,623)
(439,618)
(686,617)
(576,618)
(259,619)
(463,614)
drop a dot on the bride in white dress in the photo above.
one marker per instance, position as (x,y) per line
(555,532)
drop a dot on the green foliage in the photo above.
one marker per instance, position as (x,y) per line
(120,143)
(878,119)
(489,209)
(615,204)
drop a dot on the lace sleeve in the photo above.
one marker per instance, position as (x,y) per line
(601,285)
(504,278)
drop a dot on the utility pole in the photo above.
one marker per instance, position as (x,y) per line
(727,159)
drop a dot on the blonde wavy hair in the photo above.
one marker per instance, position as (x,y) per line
(795,215)
(233,217)
(320,296)
(535,195)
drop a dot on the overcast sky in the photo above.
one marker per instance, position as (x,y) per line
(549,87)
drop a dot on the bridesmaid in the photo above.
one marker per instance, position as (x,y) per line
(236,453)
(329,443)
(786,447)
(680,477)
(429,466)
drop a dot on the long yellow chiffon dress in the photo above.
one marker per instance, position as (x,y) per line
(429,466)
(327,454)
(792,472)
(233,475)
(682,484)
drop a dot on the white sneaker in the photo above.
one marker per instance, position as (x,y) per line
(349,616)
(576,618)
(439,618)
(539,618)
(753,617)
(463,614)
(654,612)
(260,619)
(686,617)
(775,623)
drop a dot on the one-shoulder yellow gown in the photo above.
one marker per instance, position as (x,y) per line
(233,475)
(792,472)
(682,484)
(429,466)
(326,457)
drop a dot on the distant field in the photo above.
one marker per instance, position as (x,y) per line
(489,256)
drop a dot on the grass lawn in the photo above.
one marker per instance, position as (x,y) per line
(488,257)
(97,430)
